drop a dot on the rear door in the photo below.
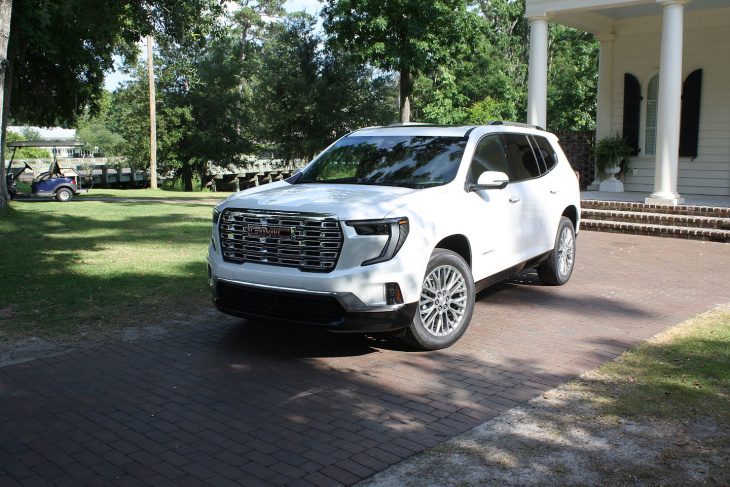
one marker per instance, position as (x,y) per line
(526,190)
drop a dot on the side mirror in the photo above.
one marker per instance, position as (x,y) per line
(490,180)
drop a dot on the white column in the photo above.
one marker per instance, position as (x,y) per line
(670,105)
(604,112)
(537,83)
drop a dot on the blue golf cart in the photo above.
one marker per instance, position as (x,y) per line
(54,183)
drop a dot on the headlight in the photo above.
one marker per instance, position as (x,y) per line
(216,215)
(395,228)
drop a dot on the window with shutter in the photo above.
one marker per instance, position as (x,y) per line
(632,111)
(690,123)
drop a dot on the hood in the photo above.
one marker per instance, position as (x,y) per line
(346,201)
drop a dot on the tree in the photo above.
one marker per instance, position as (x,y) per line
(58,51)
(5,11)
(198,108)
(490,81)
(99,131)
(308,97)
(410,37)
(572,79)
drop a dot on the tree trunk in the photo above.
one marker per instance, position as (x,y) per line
(6,9)
(405,95)
(153,115)
(187,175)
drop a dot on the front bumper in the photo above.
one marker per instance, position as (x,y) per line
(331,311)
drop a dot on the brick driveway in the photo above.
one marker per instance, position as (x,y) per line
(230,404)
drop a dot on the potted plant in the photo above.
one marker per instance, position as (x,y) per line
(612,157)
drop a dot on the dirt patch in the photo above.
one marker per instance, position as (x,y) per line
(563,438)
(31,348)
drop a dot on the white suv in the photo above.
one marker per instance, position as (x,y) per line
(396,228)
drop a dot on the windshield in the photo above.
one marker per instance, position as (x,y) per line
(410,161)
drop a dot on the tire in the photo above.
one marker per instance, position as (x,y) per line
(64,194)
(441,319)
(558,268)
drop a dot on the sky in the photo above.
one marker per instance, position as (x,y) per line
(113,80)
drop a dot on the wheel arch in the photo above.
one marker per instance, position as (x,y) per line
(64,186)
(571,212)
(457,243)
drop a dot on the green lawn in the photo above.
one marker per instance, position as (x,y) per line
(681,374)
(152,194)
(86,266)
(681,379)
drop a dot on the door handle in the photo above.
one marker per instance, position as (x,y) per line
(553,191)
(515,199)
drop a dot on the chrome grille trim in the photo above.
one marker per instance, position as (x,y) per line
(307,241)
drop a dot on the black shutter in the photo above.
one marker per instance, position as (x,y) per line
(689,132)
(632,111)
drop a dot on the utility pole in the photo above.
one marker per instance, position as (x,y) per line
(153,115)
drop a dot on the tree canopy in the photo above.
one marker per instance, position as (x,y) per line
(410,37)
(235,82)
(59,51)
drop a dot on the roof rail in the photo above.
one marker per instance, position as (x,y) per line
(516,124)
(406,124)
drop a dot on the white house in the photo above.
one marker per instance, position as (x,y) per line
(55,133)
(664,82)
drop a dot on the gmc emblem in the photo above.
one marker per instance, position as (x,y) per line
(267,232)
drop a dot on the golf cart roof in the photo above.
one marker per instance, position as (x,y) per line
(46,143)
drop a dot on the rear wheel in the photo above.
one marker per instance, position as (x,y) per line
(64,194)
(558,268)
(446,304)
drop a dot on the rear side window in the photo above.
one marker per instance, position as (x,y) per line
(488,156)
(521,157)
(546,151)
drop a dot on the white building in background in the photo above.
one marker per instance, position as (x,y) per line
(55,133)
(664,76)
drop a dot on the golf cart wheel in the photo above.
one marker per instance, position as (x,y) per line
(64,194)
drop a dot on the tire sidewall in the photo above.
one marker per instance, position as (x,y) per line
(563,278)
(60,195)
(417,331)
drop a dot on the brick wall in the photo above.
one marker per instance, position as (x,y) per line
(578,147)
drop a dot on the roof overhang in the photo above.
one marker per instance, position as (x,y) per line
(46,143)
(599,16)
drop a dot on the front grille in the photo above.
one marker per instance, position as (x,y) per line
(310,242)
(281,305)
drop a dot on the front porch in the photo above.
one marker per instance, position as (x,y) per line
(662,82)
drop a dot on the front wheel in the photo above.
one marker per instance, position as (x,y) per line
(64,194)
(558,267)
(446,304)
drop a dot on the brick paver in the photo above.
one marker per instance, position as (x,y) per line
(231,404)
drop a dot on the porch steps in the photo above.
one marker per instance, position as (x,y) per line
(680,221)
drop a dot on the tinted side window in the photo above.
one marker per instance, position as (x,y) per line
(547,152)
(521,158)
(488,156)
(538,156)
